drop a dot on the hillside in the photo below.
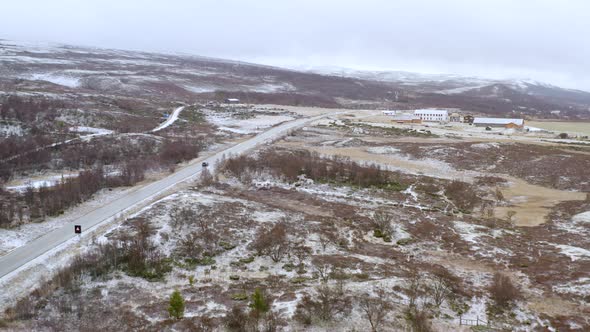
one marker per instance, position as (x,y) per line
(63,70)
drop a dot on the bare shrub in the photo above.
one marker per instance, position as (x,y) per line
(503,292)
(182,216)
(236,320)
(290,165)
(418,320)
(173,152)
(206,178)
(383,224)
(462,194)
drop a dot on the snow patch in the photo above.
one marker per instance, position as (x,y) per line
(91,130)
(583,217)
(68,81)
(383,150)
(246,126)
(574,253)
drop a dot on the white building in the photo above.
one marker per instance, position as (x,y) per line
(432,115)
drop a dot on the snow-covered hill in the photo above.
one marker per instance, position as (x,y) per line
(61,69)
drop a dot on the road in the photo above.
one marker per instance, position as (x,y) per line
(22,255)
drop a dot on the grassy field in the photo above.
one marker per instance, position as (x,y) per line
(569,127)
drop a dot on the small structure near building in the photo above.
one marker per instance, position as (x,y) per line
(432,115)
(499,123)
(455,117)
(389,112)
(232,101)
(468,118)
(406,118)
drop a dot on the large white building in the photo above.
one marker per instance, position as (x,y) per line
(432,115)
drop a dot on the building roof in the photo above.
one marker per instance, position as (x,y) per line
(431,111)
(232,99)
(405,117)
(499,121)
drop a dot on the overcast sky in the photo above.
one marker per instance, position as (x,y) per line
(537,39)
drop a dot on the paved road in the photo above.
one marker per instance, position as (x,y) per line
(22,255)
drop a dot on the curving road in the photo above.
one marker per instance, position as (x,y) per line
(22,255)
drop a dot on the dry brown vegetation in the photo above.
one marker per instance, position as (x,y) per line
(292,164)
(548,166)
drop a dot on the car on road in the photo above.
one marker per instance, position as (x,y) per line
(205,164)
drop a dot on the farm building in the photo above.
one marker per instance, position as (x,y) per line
(432,115)
(232,101)
(406,118)
(499,122)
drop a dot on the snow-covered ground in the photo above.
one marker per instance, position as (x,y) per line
(91,131)
(46,181)
(63,80)
(10,130)
(574,253)
(246,126)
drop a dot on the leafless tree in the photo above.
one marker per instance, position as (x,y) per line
(272,242)
(414,288)
(301,251)
(439,290)
(326,306)
(375,309)
(189,246)
(324,271)
(510,216)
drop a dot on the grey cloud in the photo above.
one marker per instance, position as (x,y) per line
(538,39)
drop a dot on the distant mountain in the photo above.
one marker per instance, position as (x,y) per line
(62,69)
(528,97)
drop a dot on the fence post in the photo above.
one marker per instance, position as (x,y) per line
(460,321)
(477,321)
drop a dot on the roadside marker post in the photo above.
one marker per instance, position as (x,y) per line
(78,229)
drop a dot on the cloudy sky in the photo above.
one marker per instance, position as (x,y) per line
(536,39)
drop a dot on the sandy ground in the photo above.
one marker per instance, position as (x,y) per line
(582,128)
(530,203)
